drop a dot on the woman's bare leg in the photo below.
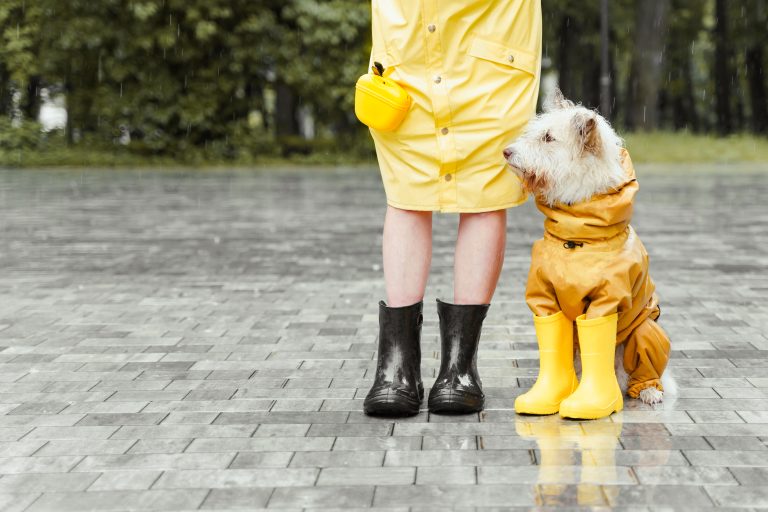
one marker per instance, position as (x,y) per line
(479,256)
(407,252)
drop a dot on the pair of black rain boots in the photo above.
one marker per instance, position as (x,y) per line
(397,389)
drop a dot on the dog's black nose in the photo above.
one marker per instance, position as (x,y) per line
(508,152)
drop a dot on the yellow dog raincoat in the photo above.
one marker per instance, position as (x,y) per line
(472,70)
(591,261)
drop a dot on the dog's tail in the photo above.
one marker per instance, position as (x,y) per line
(669,384)
(621,374)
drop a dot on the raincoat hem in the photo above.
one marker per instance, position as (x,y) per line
(454,209)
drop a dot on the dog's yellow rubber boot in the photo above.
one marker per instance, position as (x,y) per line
(598,394)
(557,377)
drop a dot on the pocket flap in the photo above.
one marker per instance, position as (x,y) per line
(388,60)
(504,54)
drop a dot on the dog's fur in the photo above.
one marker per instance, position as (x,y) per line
(567,155)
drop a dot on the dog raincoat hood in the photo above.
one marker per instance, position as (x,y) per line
(602,217)
(591,261)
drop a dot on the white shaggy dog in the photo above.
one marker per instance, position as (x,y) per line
(572,160)
(555,160)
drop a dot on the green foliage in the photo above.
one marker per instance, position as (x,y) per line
(16,138)
(327,56)
(203,80)
(187,75)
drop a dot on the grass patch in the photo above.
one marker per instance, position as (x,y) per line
(646,148)
(80,156)
(669,147)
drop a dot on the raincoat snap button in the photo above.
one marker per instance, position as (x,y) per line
(444,131)
(438,79)
(431,28)
(511,58)
(447,177)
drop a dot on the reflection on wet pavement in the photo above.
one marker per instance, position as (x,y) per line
(576,454)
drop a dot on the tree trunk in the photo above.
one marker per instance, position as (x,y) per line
(568,35)
(71,105)
(286,120)
(605,60)
(647,64)
(591,84)
(723,73)
(5,92)
(616,106)
(756,76)
(689,118)
(31,103)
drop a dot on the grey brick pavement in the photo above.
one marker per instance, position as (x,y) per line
(179,340)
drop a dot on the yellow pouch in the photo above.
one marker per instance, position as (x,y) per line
(380,103)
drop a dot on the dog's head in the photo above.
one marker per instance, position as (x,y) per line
(567,154)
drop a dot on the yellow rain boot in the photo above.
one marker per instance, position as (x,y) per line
(598,394)
(557,377)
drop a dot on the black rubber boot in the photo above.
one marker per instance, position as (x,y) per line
(458,388)
(397,389)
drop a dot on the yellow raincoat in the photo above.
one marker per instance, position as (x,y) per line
(607,274)
(472,70)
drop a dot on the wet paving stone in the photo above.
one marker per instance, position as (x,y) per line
(183,339)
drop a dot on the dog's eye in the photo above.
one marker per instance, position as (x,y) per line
(548,137)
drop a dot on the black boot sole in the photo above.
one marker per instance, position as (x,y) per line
(391,403)
(453,402)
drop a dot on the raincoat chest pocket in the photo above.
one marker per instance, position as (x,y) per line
(505,55)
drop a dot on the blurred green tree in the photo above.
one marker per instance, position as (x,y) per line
(231,78)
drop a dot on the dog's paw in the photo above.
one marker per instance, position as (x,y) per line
(651,396)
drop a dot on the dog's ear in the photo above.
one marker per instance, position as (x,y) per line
(557,101)
(588,132)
